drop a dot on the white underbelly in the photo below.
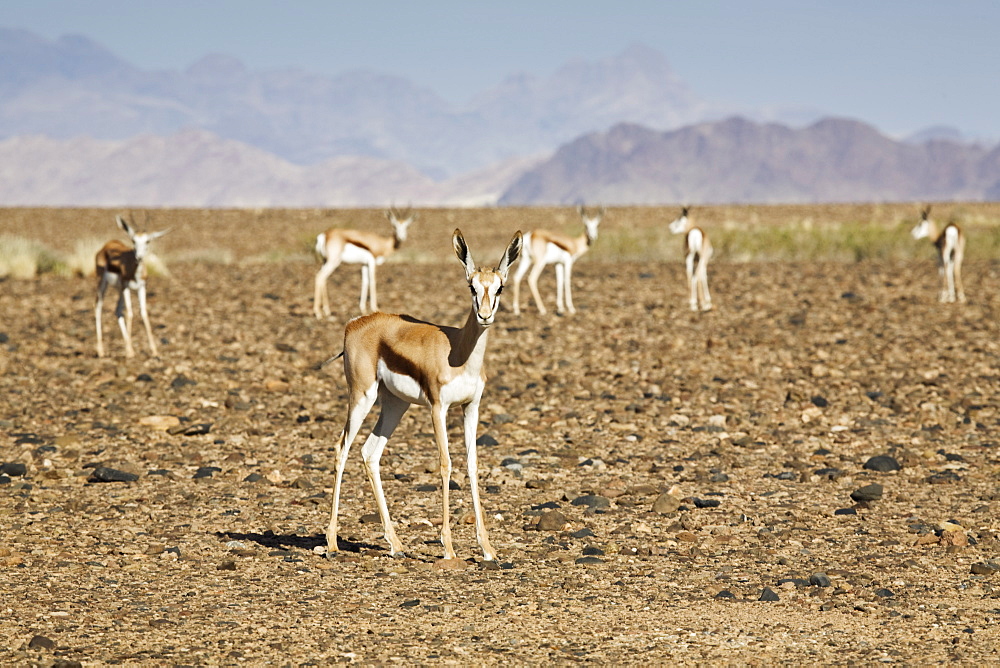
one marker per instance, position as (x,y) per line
(356,255)
(555,254)
(460,390)
(401,385)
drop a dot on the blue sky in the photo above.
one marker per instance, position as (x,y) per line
(900,65)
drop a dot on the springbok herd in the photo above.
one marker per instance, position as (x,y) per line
(400,360)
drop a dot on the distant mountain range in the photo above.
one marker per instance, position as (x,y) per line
(736,160)
(80,126)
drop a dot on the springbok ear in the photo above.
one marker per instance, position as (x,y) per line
(925,213)
(124,226)
(462,251)
(157,235)
(684,212)
(510,255)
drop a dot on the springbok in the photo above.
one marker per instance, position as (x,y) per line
(542,247)
(357,247)
(697,253)
(950,244)
(401,361)
(124,268)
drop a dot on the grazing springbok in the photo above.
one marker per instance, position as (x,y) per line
(124,268)
(542,247)
(401,361)
(357,247)
(697,253)
(950,245)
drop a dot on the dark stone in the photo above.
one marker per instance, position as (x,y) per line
(871,492)
(845,511)
(582,533)
(370,518)
(592,551)
(882,464)
(144,378)
(412,603)
(985,568)
(548,505)
(41,642)
(819,401)
(768,595)
(181,381)
(590,560)
(253,477)
(4,480)
(798,582)
(14,469)
(106,474)
(453,485)
(726,594)
(944,478)
(786,475)
(206,472)
(592,501)
(551,520)
(427,488)
(819,580)
(285,347)
(706,503)
(884,593)
(487,440)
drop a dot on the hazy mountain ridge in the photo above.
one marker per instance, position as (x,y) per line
(736,160)
(195,168)
(73,86)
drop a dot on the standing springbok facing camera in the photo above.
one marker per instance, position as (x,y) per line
(950,245)
(124,268)
(357,247)
(542,247)
(697,253)
(401,361)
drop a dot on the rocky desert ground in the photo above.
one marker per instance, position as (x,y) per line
(808,474)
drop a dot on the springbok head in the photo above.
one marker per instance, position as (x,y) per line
(924,227)
(486,284)
(591,219)
(140,241)
(400,221)
(681,224)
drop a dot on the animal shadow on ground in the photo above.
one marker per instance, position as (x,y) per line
(272,540)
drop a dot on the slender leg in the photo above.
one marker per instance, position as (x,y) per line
(959,256)
(522,269)
(392,410)
(943,273)
(321,298)
(692,287)
(569,287)
(360,404)
(706,296)
(471,424)
(438,414)
(120,316)
(536,271)
(365,280)
(98,307)
(127,294)
(145,319)
(371,275)
(560,287)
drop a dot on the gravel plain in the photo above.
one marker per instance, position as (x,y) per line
(662,486)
